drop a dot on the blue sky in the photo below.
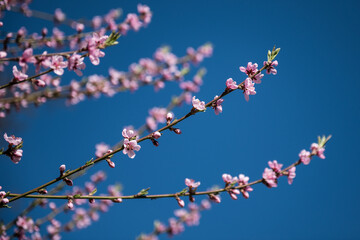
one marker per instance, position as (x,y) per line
(315,92)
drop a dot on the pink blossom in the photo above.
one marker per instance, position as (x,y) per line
(76,63)
(275,166)
(145,13)
(189,86)
(243,180)
(130,146)
(228,179)
(12,139)
(319,151)
(206,50)
(291,175)
(96,41)
(305,157)
(270,178)
(98,177)
(159,227)
(3,54)
(231,84)
(191,183)
(128,133)
(249,88)
(250,70)
(133,21)
(59,16)
(205,204)
(15,155)
(175,227)
(94,56)
(58,64)
(151,123)
(96,22)
(217,105)
(27,57)
(270,67)
(159,114)
(197,104)
(101,149)
(257,78)
(18,75)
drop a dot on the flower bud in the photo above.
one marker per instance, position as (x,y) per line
(169,117)
(156,143)
(215,198)
(39,83)
(68,182)
(70,204)
(4,201)
(44,32)
(156,135)
(111,163)
(180,202)
(91,200)
(177,130)
(42,191)
(62,169)
(117,200)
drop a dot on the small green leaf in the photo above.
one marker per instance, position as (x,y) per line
(93,192)
(143,192)
(77,195)
(111,40)
(269,55)
(90,162)
(183,191)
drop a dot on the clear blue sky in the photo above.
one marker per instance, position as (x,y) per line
(315,92)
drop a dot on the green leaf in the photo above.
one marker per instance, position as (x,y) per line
(143,192)
(77,195)
(183,191)
(90,162)
(111,40)
(93,192)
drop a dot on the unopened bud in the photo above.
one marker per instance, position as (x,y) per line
(68,182)
(117,200)
(191,198)
(42,191)
(91,200)
(44,32)
(39,83)
(180,202)
(177,130)
(62,169)
(156,143)
(215,198)
(111,163)
(4,201)
(156,135)
(169,117)
(70,204)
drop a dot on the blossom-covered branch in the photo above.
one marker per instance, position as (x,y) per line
(270,177)
(131,141)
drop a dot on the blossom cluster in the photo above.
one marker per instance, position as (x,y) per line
(190,217)
(13,151)
(164,67)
